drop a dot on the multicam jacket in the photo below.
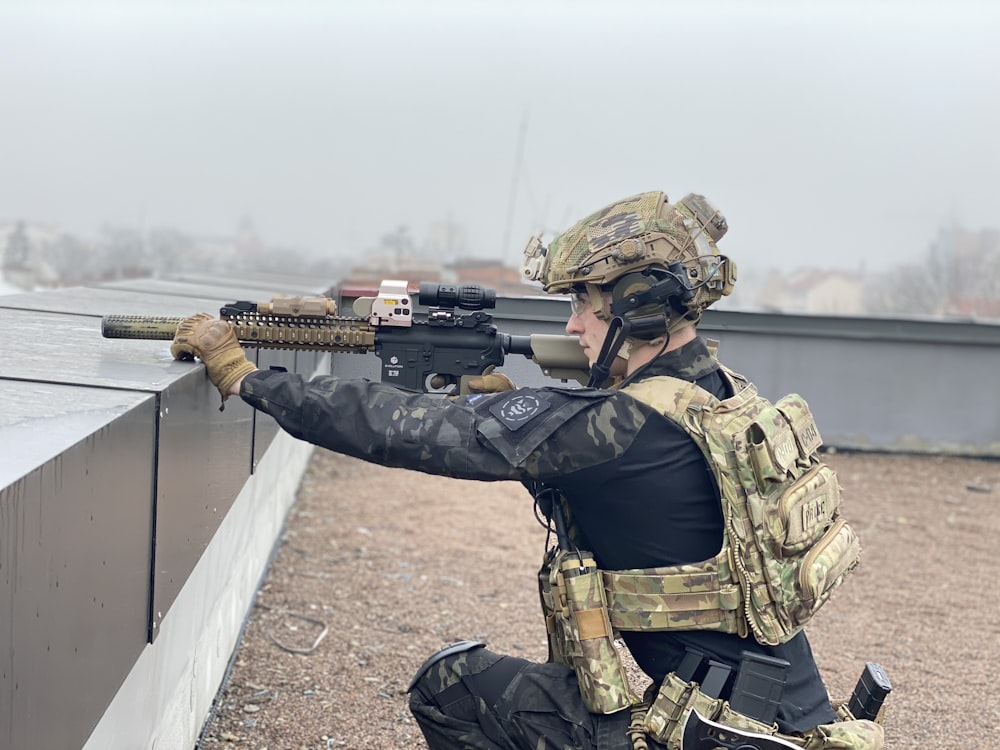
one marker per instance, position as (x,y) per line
(638,487)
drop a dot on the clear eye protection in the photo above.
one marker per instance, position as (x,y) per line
(579,303)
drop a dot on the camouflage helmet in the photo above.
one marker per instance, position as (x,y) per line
(611,248)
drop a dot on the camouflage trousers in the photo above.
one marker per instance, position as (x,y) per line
(485,701)
(482,700)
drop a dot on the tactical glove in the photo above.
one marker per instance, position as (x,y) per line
(215,344)
(490,382)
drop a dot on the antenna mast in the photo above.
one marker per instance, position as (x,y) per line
(514,181)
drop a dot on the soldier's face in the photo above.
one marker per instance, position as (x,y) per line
(585,324)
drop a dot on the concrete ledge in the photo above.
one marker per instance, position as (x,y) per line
(167,696)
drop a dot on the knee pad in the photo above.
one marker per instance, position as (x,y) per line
(455,648)
(464,670)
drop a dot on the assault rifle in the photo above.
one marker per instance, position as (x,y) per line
(437,351)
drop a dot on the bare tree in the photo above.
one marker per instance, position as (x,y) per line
(959,269)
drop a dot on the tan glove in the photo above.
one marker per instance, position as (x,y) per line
(490,382)
(215,344)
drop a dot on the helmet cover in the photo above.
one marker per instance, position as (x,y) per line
(642,232)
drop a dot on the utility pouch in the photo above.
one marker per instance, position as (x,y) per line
(590,644)
(825,565)
(793,547)
(555,624)
(735,719)
(674,699)
(857,734)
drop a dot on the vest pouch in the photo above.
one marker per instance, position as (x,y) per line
(796,411)
(771,447)
(735,719)
(549,591)
(603,681)
(825,565)
(858,734)
(674,700)
(807,508)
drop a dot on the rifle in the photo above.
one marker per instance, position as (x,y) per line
(436,352)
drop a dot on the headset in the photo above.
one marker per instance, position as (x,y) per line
(650,287)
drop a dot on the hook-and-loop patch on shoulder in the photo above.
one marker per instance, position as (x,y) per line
(519,409)
(519,421)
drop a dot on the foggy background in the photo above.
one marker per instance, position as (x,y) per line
(837,134)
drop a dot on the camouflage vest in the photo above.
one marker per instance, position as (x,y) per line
(785,547)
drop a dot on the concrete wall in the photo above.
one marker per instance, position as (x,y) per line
(135,517)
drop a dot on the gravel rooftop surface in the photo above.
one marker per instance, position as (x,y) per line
(378,568)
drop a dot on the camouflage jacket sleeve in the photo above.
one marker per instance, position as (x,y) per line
(531,433)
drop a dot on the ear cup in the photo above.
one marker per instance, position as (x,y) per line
(642,292)
(631,285)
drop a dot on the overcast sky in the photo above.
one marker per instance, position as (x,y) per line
(829,133)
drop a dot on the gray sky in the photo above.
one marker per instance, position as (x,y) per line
(829,133)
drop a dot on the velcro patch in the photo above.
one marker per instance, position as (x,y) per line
(516,423)
(518,409)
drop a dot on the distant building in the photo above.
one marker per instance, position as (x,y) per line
(410,269)
(24,248)
(247,245)
(809,290)
(506,280)
(978,308)
(446,240)
(822,292)
(212,252)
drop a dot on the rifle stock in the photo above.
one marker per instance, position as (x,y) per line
(559,357)
(436,352)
